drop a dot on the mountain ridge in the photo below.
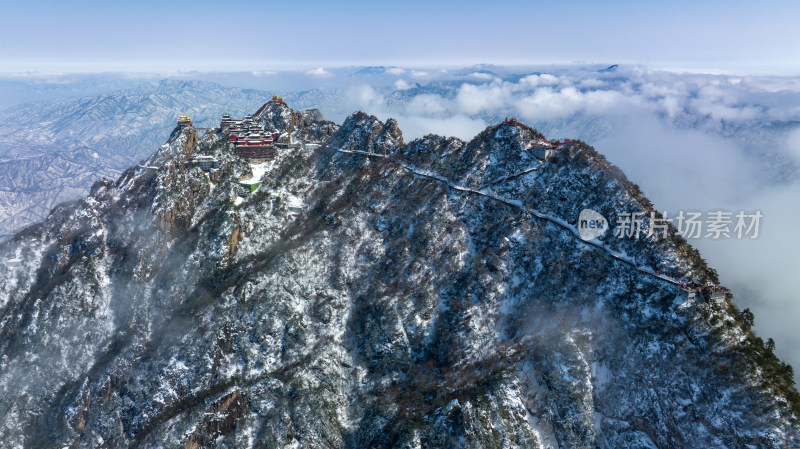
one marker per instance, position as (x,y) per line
(396,308)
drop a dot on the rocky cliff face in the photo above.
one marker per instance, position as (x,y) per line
(371,293)
(307,125)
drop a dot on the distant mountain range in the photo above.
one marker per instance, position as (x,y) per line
(53,151)
(125,123)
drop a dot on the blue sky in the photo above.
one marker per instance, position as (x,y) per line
(148,35)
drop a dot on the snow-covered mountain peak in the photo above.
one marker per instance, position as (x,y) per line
(358,291)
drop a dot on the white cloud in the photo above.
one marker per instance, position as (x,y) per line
(427,105)
(540,103)
(395,71)
(591,83)
(262,73)
(319,72)
(481,76)
(402,85)
(547,103)
(459,126)
(544,79)
(365,98)
(473,99)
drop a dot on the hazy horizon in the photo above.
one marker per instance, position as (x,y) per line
(147,36)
